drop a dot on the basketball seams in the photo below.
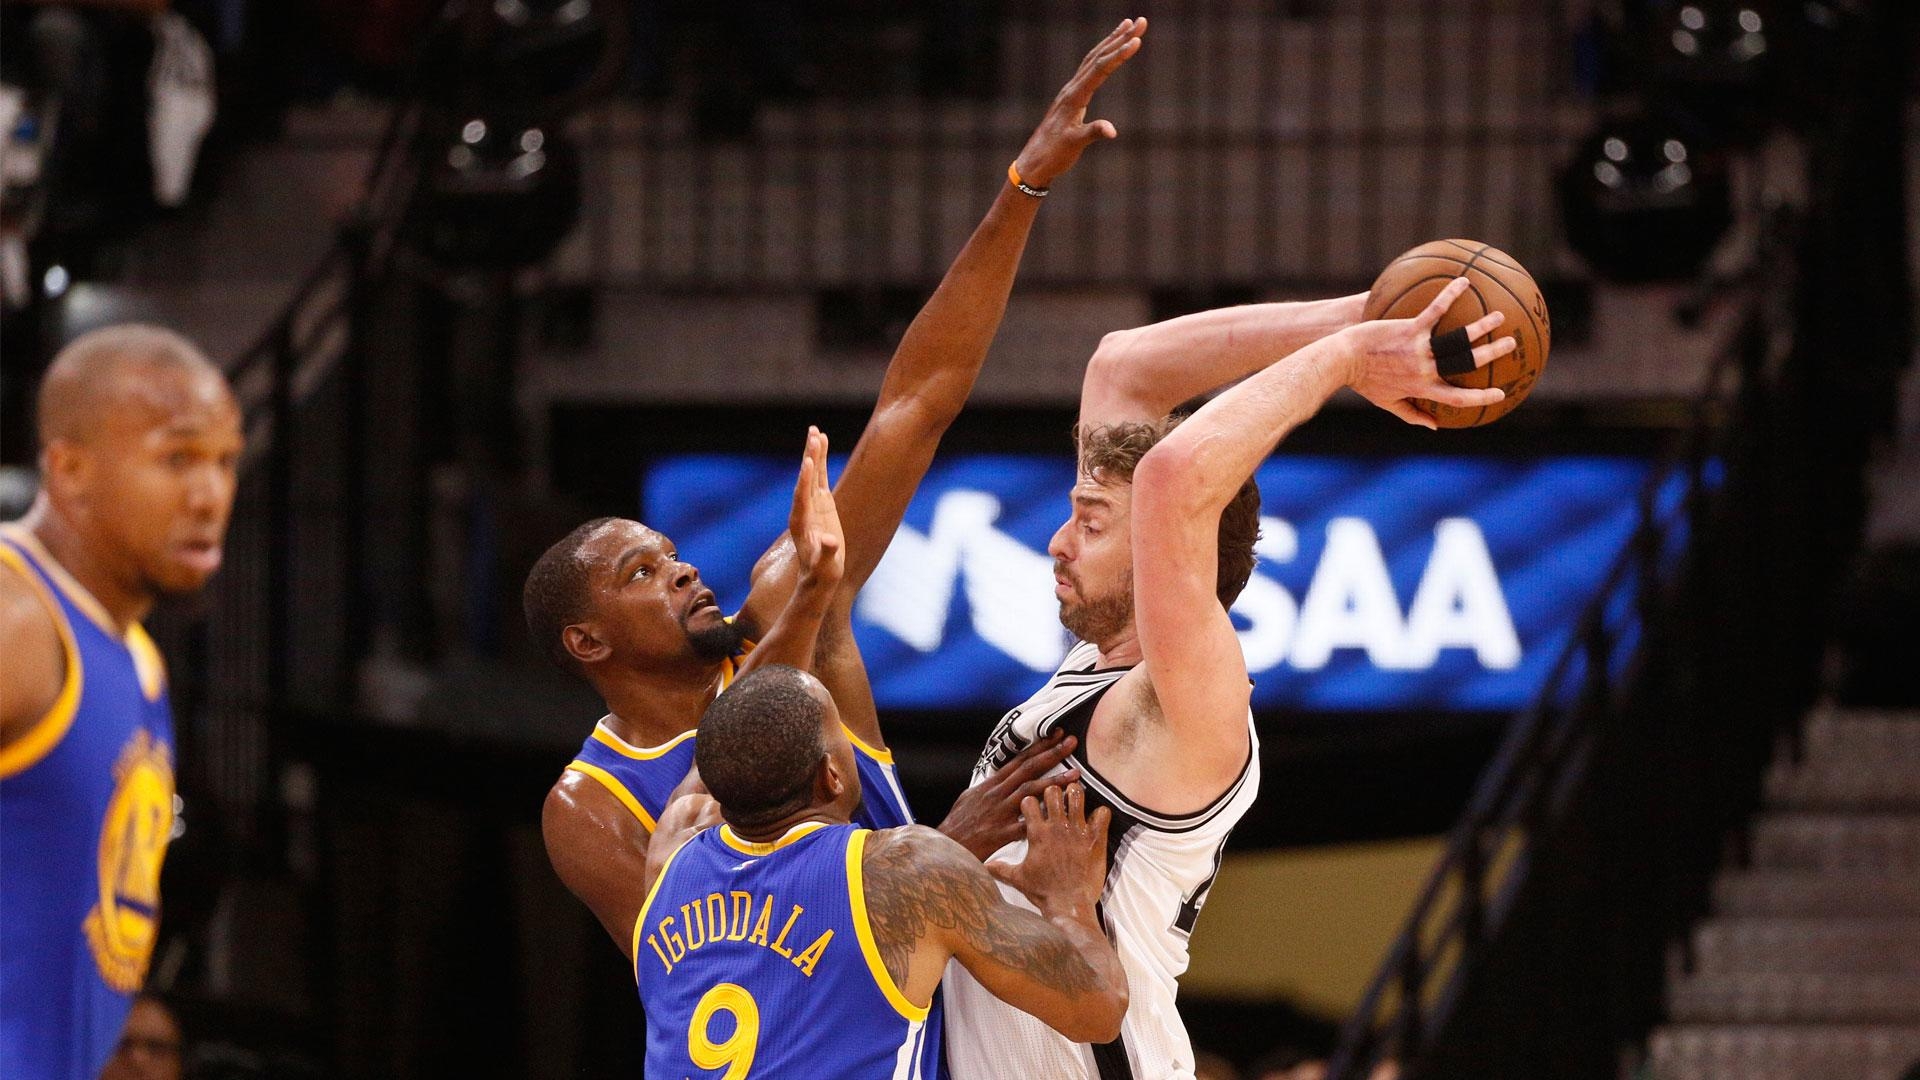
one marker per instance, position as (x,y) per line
(1474,288)
(1467,259)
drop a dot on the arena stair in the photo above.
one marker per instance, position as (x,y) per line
(1809,966)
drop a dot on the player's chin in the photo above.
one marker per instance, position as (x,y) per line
(184,573)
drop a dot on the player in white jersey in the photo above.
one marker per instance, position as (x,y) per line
(1159,544)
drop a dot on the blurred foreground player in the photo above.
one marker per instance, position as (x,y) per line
(1158,546)
(140,440)
(614,602)
(789,942)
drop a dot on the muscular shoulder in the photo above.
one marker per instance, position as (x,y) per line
(919,878)
(598,850)
(36,660)
(579,811)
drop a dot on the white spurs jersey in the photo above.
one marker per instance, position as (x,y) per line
(1158,872)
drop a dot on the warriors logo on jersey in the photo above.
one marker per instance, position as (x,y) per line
(133,841)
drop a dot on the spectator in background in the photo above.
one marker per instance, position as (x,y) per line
(84,64)
(152,1047)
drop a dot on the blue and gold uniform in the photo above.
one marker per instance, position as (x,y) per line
(757,961)
(642,777)
(86,810)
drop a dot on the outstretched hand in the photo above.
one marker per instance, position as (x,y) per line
(986,817)
(1064,132)
(1393,362)
(819,544)
(1065,869)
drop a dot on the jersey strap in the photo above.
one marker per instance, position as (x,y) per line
(44,734)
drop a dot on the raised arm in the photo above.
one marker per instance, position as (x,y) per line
(928,381)
(1144,373)
(1181,486)
(927,900)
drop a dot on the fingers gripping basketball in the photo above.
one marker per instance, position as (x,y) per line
(1497,283)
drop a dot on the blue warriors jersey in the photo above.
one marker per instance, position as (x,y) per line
(643,777)
(86,810)
(757,962)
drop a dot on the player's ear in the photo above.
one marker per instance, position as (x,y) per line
(581,644)
(832,784)
(67,464)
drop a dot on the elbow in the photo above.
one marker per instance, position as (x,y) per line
(1108,372)
(1105,1009)
(1176,480)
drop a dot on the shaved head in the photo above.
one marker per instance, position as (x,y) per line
(105,374)
(140,443)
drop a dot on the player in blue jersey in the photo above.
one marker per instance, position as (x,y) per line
(789,942)
(140,439)
(615,603)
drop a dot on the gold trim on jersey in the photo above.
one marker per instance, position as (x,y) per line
(883,756)
(619,790)
(626,749)
(749,847)
(640,920)
(65,582)
(147,662)
(45,733)
(863,929)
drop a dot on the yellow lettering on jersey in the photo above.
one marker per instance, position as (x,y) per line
(675,947)
(782,939)
(690,919)
(716,917)
(133,843)
(759,935)
(806,960)
(664,962)
(742,915)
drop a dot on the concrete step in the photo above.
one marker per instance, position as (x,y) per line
(1750,998)
(1863,736)
(1783,1052)
(1786,893)
(1827,946)
(1834,843)
(1887,785)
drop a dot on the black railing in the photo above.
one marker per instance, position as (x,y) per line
(1522,807)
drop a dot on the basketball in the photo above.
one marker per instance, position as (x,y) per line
(1498,283)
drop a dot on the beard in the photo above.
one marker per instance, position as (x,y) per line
(1100,619)
(717,641)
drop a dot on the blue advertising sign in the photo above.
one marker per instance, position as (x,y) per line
(1384,583)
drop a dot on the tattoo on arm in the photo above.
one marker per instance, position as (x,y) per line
(917,885)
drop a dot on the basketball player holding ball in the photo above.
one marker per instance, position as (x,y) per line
(140,440)
(1155,691)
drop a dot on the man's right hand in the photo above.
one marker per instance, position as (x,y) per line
(1066,865)
(1064,132)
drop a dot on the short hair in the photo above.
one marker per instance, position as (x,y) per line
(1113,451)
(556,593)
(71,394)
(760,745)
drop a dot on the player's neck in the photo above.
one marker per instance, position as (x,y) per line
(646,709)
(125,604)
(1121,650)
(767,834)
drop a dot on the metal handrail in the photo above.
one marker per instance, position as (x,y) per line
(1523,791)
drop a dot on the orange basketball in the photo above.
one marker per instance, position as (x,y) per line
(1497,283)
